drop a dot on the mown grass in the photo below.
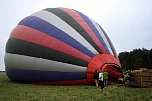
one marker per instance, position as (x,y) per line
(10,91)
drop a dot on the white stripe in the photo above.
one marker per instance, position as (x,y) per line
(16,61)
(102,35)
(62,25)
(110,50)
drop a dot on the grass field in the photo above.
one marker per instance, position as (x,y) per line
(10,91)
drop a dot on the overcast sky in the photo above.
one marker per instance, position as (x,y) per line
(128,23)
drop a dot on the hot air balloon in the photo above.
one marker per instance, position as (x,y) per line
(59,46)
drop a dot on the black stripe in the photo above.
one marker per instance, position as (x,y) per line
(108,39)
(69,20)
(17,46)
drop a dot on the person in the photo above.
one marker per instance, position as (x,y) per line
(130,78)
(101,79)
(105,77)
(120,82)
(96,77)
(126,79)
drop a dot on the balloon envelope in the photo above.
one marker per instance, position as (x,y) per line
(59,46)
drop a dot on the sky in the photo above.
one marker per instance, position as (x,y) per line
(128,23)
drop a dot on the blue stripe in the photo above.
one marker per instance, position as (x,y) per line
(89,22)
(45,27)
(28,76)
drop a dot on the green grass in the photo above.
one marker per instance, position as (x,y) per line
(10,91)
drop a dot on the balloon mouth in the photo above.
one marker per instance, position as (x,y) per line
(102,62)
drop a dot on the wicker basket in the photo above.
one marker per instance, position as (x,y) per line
(142,78)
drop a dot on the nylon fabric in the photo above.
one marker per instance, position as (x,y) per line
(110,43)
(94,29)
(45,40)
(16,61)
(17,46)
(85,26)
(57,22)
(29,76)
(73,23)
(45,27)
(103,36)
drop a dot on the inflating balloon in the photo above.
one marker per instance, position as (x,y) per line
(59,46)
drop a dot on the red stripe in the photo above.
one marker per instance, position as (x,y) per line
(102,61)
(113,72)
(37,37)
(90,76)
(85,26)
(114,51)
(112,47)
(73,82)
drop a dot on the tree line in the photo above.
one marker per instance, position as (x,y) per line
(138,58)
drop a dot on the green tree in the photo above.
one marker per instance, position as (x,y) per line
(138,58)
